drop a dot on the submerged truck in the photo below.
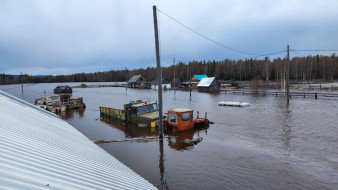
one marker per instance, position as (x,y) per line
(137,112)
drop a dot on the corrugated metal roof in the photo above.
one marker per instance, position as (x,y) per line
(164,81)
(200,77)
(206,82)
(134,78)
(41,151)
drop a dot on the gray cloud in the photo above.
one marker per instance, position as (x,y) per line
(56,37)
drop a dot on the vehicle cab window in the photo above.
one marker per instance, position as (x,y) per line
(185,116)
(173,117)
(141,110)
(152,107)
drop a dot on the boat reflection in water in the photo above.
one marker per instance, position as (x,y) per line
(177,140)
(185,140)
(71,113)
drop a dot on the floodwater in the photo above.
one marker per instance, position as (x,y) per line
(268,145)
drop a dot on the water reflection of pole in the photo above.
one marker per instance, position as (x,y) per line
(162,166)
(286,127)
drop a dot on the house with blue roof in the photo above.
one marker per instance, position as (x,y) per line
(198,77)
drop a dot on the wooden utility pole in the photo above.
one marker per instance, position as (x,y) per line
(190,79)
(159,77)
(159,72)
(288,75)
(174,78)
(126,79)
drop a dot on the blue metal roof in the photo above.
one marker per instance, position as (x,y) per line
(40,151)
(199,77)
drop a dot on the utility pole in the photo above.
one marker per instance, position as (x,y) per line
(159,77)
(288,75)
(21,82)
(126,78)
(190,79)
(174,78)
(159,72)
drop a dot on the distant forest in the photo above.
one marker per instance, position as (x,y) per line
(301,68)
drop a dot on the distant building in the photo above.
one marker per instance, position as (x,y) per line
(177,83)
(209,84)
(136,81)
(195,79)
(144,85)
(165,84)
(198,77)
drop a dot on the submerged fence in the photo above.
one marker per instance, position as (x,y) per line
(315,95)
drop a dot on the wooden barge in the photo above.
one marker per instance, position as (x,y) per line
(60,102)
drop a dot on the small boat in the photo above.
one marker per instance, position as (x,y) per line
(235,104)
(182,119)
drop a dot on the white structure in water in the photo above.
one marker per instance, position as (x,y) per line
(38,150)
(235,104)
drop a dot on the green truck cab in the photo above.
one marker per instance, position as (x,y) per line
(139,112)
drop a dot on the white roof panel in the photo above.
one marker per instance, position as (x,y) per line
(206,82)
(39,151)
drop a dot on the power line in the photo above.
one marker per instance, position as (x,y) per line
(314,50)
(264,55)
(194,31)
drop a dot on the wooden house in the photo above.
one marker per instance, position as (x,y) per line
(136,81)
(209,84)
(165,84)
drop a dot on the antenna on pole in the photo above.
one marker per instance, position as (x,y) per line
(288,75)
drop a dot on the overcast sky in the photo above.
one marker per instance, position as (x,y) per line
(71,36)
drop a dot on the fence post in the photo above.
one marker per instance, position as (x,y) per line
(316,95)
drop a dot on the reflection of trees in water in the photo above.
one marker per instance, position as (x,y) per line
(68,114)
(176,140)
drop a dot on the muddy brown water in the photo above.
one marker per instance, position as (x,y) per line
(268,145)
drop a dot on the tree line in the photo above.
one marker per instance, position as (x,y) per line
(301,68)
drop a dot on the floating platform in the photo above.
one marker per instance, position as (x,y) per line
(234,104)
